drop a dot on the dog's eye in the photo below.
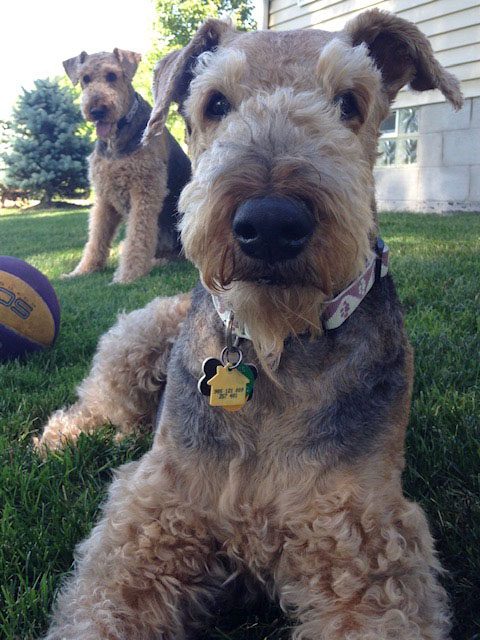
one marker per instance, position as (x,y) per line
(111,77)
(348,105)
(86,79)
(217,107)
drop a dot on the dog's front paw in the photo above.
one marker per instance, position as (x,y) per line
(80,270)
(160,262)
(57,433)
(121,279)
(125,277)
(72,274)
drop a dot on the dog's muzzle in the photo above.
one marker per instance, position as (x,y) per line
(272,228)
(98,113)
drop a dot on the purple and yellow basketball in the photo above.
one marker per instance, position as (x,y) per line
(29,309)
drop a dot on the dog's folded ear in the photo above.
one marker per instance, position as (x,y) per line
(129,61)
(72,66)
(403,55)
(174,72)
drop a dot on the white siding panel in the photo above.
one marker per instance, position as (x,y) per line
(445,24)
(289,9)
(458,38)
(468,71)
(326,18)
(437,8)
(319,14)
(324,3)
(278,5)
(460,55)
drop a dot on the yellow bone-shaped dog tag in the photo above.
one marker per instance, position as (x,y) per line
(228,389)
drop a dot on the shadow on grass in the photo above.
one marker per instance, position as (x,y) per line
(42,231)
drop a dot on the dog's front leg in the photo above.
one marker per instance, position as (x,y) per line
(149,568)
(102,225)
(138,255)
(366,574)
(127,376)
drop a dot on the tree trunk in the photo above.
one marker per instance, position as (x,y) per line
(46,201)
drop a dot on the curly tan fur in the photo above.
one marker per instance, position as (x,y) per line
(127,376)
(129,179)
(301,489)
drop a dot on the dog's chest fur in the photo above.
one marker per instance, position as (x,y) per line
(123,169)
(111,181)
(335,396)
(294,450)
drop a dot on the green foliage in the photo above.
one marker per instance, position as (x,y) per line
(46,507)
(4,149)
(4,136)
(176,22)
(48,143)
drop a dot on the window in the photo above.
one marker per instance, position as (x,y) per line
(399,136)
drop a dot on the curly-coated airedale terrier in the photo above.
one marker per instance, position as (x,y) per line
(300,486)
(134,182)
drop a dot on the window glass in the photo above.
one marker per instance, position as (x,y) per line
(388,125)
(407,151)
(407,120)
(387,150)
(398,138)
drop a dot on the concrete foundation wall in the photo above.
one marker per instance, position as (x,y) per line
(446,176)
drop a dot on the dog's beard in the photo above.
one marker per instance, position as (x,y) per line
(295,272)
(279,301)
(271,313)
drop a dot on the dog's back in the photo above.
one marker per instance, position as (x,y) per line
(179,173)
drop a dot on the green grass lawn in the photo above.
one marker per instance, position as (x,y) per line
(48,506)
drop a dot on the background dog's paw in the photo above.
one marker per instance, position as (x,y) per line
(159,262)
(84,268)
(127,277)
(120,279)
(79,271)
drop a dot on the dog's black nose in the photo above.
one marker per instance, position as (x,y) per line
(98,113)
(272,228)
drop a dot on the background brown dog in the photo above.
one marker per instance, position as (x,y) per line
(137,183)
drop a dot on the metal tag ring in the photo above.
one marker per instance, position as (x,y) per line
(226,354)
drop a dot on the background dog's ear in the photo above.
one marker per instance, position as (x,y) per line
(129,61)
(72,66)
(174,72)
(403,55)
